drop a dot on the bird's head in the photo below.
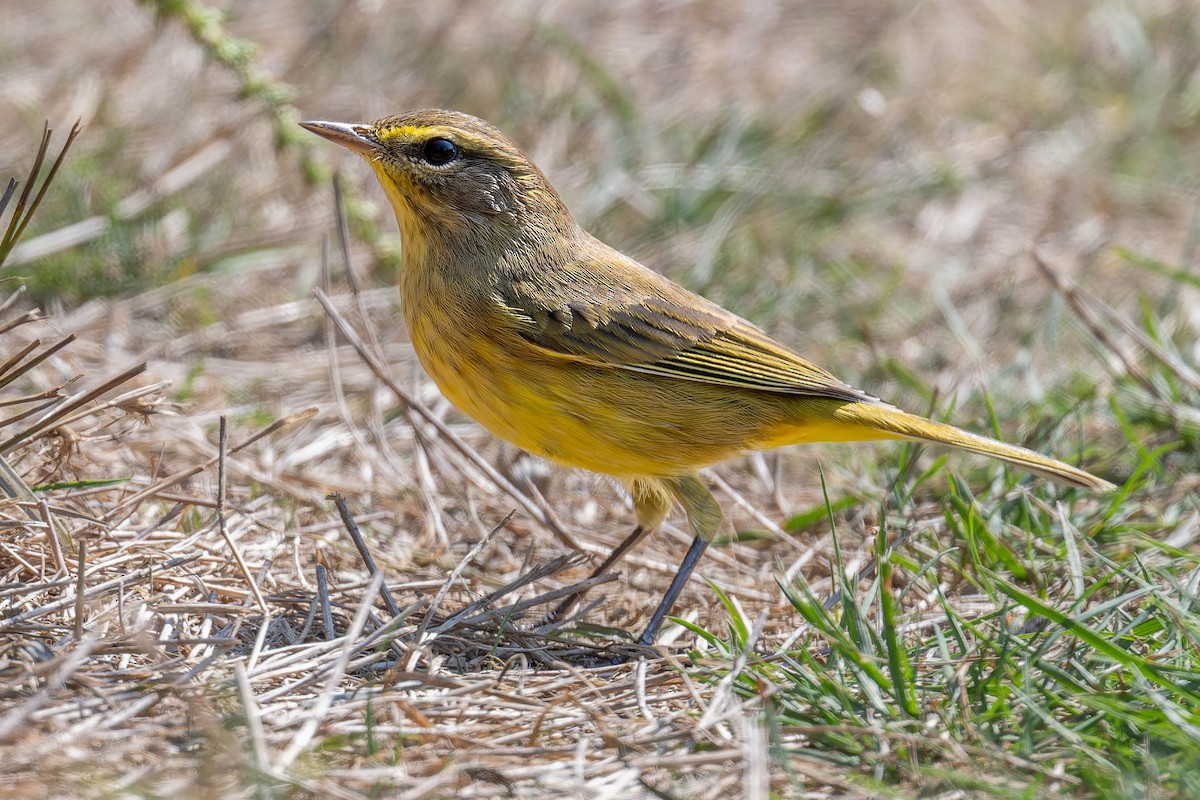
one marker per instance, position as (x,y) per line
(449,174)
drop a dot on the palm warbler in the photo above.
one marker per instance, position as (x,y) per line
(573,351)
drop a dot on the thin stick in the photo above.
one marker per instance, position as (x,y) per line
(70,405)
(115,402)
(545,570)
(11,234)
(327,695)
(1097,330)
(222,441)
(15,373)
(343,231)
(516,608)
(56,551)
(29,316)
(1078,298)
(37,201)
(258,736)
(361,545)
(183,475)
(224,529)
(80,589)
(13,485)
(441,593)
(323,602)
(15,359)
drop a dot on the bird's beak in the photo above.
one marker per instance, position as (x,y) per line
(358,137)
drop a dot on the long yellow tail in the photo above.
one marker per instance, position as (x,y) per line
(893,422)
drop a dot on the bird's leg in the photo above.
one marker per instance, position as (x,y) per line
(690,560)
(618,552)
(704,517)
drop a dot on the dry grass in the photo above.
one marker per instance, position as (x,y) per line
(185,611)
(865,179)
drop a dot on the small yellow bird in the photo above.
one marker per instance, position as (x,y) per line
(575,352)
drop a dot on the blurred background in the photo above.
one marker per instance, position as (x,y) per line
(834,170)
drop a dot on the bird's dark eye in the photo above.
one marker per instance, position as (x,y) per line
(439,151)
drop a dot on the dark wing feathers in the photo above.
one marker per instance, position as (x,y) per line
(661,329)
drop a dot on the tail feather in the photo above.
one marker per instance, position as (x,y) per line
(909,426)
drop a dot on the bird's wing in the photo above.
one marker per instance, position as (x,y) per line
(653,326)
